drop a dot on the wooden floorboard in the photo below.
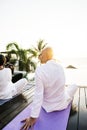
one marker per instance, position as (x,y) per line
(10,109)
(73,119)
(82,111)
(79,120)
(86,96)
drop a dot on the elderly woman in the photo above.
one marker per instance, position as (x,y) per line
(8,89)
(50,92)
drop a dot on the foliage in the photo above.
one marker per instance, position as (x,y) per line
(25,61)
(40,46)
(25,57)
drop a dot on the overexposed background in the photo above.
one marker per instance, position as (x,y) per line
(61,23)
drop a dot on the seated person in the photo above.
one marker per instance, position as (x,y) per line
(50,92)
(8,89)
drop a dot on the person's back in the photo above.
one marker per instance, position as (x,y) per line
(5,83)
(5,77)
(53,78)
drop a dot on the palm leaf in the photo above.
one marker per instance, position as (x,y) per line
(13,46)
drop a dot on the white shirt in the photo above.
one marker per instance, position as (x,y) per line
(50,88)
(6,84)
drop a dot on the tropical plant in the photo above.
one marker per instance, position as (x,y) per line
(23,56)
(40,46)
(27,58)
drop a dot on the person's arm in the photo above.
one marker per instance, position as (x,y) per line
(38,97)
(37,102)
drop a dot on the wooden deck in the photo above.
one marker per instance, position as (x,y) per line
(13,107)
(77,121)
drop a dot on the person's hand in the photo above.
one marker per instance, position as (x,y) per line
(28,122)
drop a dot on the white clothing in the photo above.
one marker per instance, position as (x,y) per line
(7,88)
(50,90)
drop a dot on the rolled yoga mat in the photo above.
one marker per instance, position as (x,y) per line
(56,120)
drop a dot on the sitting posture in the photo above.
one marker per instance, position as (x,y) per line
(8,89)
(50,91)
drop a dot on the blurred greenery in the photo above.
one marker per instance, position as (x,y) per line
(27,59)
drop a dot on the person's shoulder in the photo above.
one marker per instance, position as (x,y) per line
(60,66)
(7,69)
(39,69)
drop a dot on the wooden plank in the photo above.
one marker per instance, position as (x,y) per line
(17,99)
(27,92)
(73,119)
(86,96)
(12,115)
(82,110)
(13,107)
(9,110)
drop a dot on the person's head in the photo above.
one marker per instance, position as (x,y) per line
(2,60)
(46,54)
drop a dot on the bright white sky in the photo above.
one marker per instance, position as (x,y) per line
(61,23)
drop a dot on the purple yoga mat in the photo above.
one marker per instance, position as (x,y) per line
(47,121)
